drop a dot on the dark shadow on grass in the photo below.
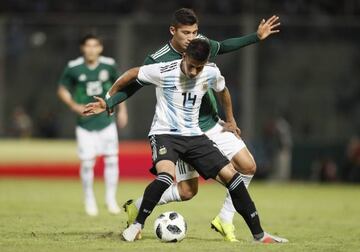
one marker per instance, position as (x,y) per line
(84,235)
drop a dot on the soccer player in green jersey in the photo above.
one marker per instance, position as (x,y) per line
(225,134)
(82,78)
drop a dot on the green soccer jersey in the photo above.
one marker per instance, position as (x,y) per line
(84,82)
(208,115)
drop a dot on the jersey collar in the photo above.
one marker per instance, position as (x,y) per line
(172,48)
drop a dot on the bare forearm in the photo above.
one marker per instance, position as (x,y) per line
(124,80)
(122,107)
(225,101)
(66,97)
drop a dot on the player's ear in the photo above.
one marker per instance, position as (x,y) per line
(172,30)
(101,48)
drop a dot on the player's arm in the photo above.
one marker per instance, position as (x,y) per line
(121,95)
(224,98)
(122,115)
(101,105)
(66,97)
(265,29)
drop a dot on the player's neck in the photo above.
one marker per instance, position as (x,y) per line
(176,46)
(92,63)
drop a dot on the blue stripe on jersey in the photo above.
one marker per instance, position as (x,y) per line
(171,112)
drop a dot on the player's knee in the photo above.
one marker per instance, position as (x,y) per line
(244,166)
(251,168)
(187,192)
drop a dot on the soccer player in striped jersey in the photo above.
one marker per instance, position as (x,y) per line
(82,78)
(175,132)
(183,29)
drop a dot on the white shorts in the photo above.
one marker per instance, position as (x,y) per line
(227,143)
(97,142)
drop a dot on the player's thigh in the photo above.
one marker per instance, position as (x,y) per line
(165,166)
(187,178)
(226,174)
(108,144)
(244,162)
(86,143)
(164,154)
(226,141)
(205,157)
(185,172)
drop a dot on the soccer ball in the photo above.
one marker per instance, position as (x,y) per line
(170,227)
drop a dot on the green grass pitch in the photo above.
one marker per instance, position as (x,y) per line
(47,215)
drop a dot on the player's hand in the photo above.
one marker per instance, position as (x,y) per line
(122,118)
(268,27)
(232,127)
(94,108)
(78,108)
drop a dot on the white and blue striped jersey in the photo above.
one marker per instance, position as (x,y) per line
(179,97)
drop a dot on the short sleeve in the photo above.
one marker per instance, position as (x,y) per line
(66,78)
(214,48)
(149,75)
(219,84)
(114,73)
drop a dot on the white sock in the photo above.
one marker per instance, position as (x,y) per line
(138,202)
(111,176)
(227,211)
(170,195)
(246,179)
(87,178)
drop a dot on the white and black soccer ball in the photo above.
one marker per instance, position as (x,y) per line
(170,227)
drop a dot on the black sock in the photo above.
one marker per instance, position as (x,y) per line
(244,205)
(152,195)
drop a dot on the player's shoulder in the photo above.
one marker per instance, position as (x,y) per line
(107,60)
(164,67)
(75,62)
(160,52)
(201,36)
(166,53)
(212,66)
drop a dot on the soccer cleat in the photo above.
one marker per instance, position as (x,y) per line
(268,238)
(91,207)
(132,233)
(113,207)
(131,211)
(227,230)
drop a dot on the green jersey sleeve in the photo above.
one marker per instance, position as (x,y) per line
(67,79)
(148,61)
(233,44)
(214,48)
(114,73)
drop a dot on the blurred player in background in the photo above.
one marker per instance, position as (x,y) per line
(183,29)
(82,78)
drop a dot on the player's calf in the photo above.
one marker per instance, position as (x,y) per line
(152,195)
(188,188)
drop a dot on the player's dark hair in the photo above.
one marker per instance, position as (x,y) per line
(184,16)
(198,49)
(88,36)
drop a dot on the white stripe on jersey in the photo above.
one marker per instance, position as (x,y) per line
(161,52)
(106,60)
(178,97)
(76,62)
